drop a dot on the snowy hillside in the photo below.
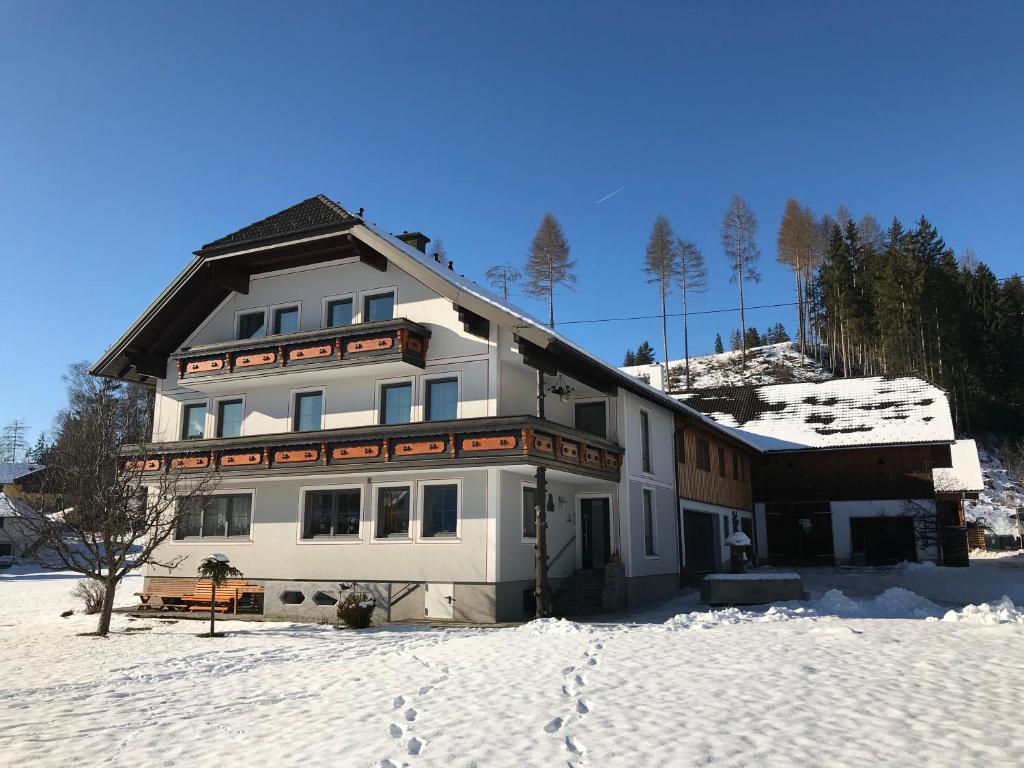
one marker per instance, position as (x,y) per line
(1002,495)
(772,364)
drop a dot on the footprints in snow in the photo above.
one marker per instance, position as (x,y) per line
(574,682)
(404,709)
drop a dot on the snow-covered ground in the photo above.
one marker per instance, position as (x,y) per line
(892,679)
(998,503)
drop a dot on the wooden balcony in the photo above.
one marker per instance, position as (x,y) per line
(436,444)
(397,340)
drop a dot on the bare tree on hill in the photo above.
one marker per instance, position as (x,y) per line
(692,277)
(660,266)
(795,250)
(548,264)
(739,228)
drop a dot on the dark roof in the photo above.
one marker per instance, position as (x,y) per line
(312,215)
(13,472)
(840,413)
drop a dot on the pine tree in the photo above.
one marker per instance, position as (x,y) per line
(752,338)
(692,277)
(660,266)
(630,358)
(719,349)
(739,228)
(502,277)
(735,341)
(548,264)
(645,354)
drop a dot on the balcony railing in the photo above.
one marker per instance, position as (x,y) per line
(383,341)
(464,442)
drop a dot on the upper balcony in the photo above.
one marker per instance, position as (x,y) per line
(398,340)
(461,443)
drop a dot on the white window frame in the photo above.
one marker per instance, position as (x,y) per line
(252,311)
(333,540)
(650,441)
(591,401)
(523,485)
(205,541)
(424,383)
(644,490)
(182,407)
(272,310)
(293,394)
(420,506)
(326,302)
(375,488)
(415,414)
(360,309)
(215,413)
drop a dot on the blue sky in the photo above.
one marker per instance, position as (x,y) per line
(133,133)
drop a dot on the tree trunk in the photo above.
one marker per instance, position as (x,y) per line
(801,318)
(551,297)
(686,337)
(743,322)
(109,589)
(664,334)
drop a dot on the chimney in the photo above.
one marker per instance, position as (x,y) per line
(416,239)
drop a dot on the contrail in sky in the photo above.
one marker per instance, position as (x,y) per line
(610,194)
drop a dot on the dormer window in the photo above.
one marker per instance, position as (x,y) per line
(380,306)
(252,325)
(286,320)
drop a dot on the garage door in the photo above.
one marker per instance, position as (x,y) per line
(699,541)
(882,540)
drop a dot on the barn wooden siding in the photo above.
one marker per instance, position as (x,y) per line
(710,486)
(903,472)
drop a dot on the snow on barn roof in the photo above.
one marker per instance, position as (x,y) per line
(13,472)
(965,474)
(840,413)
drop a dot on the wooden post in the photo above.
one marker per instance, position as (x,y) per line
(541,593)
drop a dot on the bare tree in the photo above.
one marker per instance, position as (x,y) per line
(969,261)
(102,513)
(548,265)
(13,444)
(660,265)
(692,277)
(795,247)
(502,277)
(438,251)
(739,228)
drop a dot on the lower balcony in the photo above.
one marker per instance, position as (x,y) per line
(465,442)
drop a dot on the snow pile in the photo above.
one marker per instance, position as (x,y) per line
(553,627)
(1003,612)
(1001,497)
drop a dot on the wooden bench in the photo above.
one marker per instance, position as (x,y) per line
(189,595)
(166,593)
(224,599)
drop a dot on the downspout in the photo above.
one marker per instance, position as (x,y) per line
(677,433)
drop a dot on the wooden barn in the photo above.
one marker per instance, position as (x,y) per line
(851,471)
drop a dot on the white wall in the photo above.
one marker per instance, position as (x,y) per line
(842,511)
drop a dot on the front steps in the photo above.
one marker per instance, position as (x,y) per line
(591,592)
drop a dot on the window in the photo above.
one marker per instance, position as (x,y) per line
(286,320)
(645,441)
(721,461)
(222,515)
(725,528)
(339,312)
(649,523)
(735,466)
(331,514)
(393,513)
(442,399)
(703,455)
(193,422)
(529,512)
(309,407)
(590,417)
(229,418)
(440,510)
(396,403)
(379,307)
(252,325)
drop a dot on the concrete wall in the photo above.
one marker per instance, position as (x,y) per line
(842,511)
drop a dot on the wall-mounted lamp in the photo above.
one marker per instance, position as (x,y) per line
(561,388)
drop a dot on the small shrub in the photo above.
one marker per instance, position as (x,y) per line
(67,613)
(356,610)
(90,592)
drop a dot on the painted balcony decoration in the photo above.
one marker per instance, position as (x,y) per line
(390,340)
(490,440)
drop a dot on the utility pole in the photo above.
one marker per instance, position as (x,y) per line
(541,593)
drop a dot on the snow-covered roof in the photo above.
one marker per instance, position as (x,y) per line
(14,507)
(965,474)
(12,472)
(841,413)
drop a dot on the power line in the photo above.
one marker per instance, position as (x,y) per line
(676,314)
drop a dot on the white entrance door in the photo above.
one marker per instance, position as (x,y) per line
(439,601)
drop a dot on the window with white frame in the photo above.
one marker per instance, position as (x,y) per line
(338,312)
(286,319)
(379,306)
(308,411)
(592,418)
(252,325)
(440,510)
(229,418)
(193,421)
(333,513)
(396,403)
(220,516)
(442,399)
(393,512)
(645,441)
(649,523)
(529,512)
